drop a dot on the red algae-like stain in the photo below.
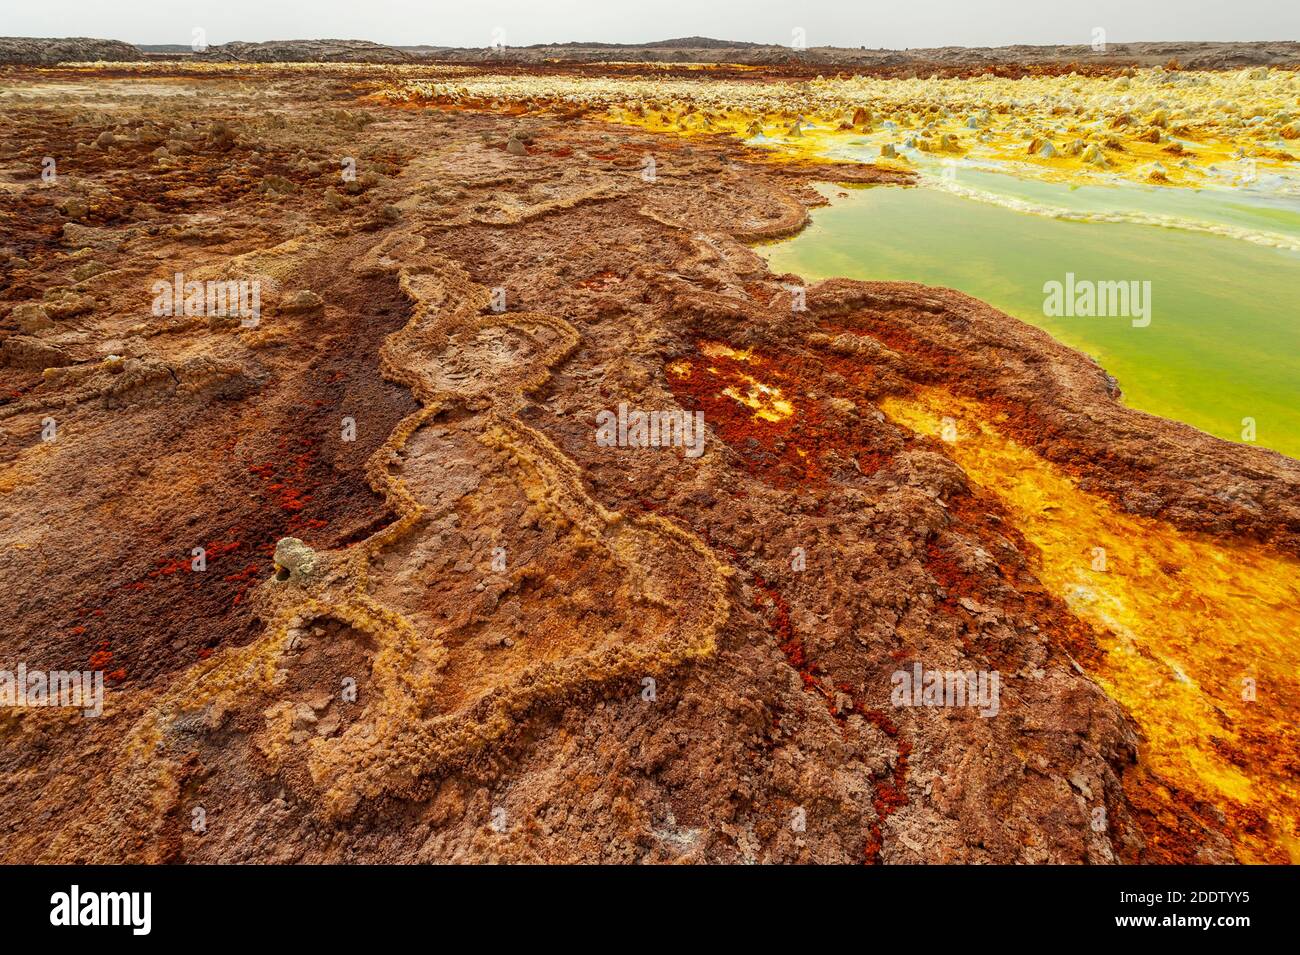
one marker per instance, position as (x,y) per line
(774,418)
(890,792)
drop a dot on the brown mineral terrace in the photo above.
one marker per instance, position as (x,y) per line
(365,587)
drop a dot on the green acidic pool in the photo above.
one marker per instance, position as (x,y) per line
(1223,343)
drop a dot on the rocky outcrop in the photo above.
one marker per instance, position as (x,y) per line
(694,50)
(304,51)
(49,51)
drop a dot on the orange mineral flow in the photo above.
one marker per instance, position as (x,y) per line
(1198,638)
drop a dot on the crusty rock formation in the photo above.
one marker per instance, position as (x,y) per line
(692,50)
(47,51)
(304,51)
(515,643)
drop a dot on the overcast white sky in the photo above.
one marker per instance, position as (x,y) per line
(871,23)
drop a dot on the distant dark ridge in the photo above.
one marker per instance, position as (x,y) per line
(683,43)
(304,51)
(698,50)
(701,43)
(1187,55)
(46,51)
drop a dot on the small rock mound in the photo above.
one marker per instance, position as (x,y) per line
(294,560)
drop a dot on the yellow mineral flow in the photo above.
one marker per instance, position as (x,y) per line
(720,350)
(1158,126)
(767,402)
(1199,638)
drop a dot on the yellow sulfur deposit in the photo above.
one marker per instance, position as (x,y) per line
(1164,127)
(1199,637)
(764,400)
(720,350)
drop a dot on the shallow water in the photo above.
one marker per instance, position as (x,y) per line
(1223,343)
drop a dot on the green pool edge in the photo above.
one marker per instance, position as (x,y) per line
(1198,363)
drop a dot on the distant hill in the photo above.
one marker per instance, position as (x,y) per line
(77,49)
(693,49)
(702,43)
(305,51)
(684,43)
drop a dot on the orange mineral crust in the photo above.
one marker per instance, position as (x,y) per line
(366,581)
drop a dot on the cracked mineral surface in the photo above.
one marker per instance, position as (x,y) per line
(301,369)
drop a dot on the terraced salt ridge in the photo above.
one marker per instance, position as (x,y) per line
(421,719)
